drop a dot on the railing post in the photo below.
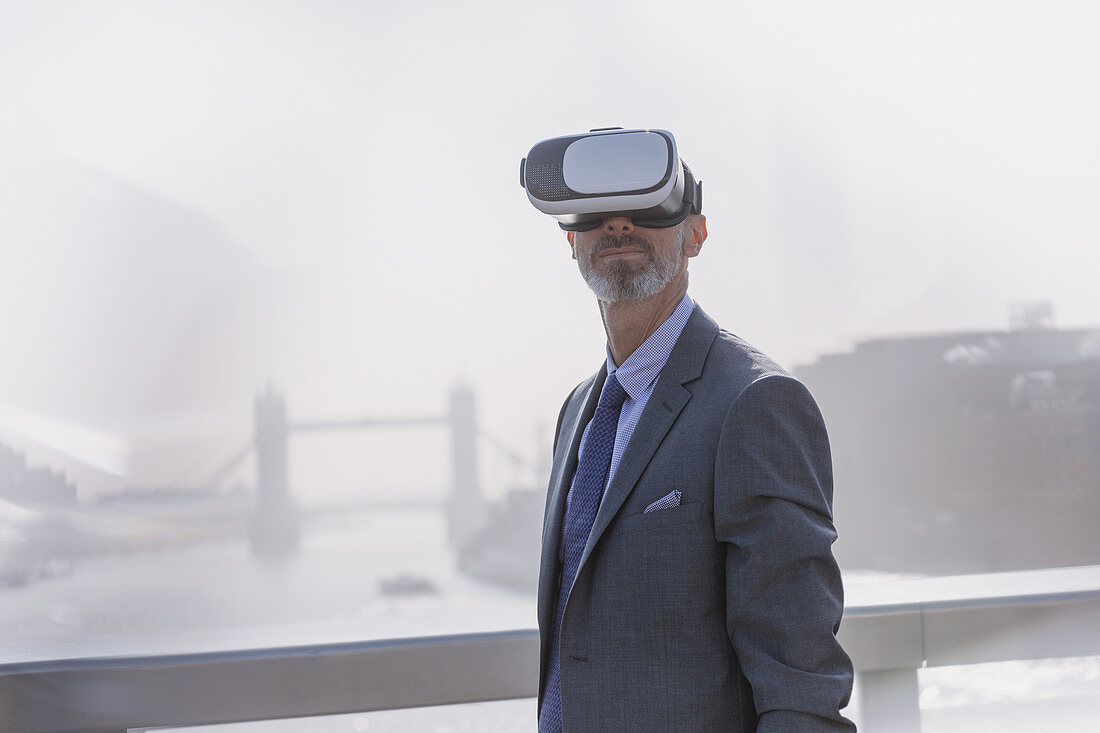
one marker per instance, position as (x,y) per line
(889,700)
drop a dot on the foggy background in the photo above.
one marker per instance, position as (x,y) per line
(201,201)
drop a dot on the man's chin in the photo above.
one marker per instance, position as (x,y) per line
(610,289)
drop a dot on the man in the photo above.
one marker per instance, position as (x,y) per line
(687,581)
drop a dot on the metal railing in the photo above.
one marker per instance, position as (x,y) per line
(890,630)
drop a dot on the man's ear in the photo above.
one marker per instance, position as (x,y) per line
(698,235)
(571,236)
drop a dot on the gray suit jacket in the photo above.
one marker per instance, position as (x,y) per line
(719,614)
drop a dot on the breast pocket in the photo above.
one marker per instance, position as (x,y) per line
(663,518)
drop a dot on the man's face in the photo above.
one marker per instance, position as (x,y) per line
(621,262)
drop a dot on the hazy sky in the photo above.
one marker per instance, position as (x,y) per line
(869,168)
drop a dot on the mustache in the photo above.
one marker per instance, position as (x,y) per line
(613,241)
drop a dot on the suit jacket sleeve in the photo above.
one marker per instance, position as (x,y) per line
(773,508)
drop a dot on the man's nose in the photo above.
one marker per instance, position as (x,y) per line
(617,225)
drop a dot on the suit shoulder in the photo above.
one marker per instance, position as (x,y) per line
(756,384)
(738,364)
(740,379)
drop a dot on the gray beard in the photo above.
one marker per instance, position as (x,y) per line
(624,281)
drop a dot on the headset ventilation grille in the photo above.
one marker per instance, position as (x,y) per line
(548,182)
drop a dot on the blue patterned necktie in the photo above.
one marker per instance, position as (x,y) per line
(580,512)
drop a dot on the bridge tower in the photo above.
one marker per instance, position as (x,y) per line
(465,506)
(274,528)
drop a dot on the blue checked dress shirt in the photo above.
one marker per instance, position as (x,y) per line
(638,375)
(625,394)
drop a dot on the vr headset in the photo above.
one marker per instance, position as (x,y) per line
(580,180)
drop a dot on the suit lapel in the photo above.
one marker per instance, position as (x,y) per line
(577,416)
(669,397)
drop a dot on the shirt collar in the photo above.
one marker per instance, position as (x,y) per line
(641,368)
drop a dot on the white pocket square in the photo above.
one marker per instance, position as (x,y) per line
(667,501)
